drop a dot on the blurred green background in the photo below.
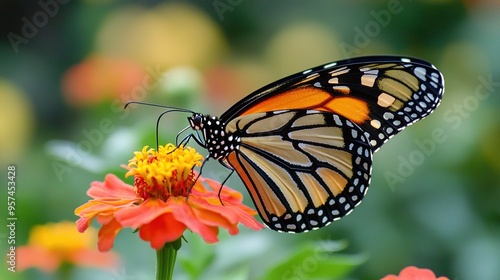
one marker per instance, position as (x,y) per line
(67,67)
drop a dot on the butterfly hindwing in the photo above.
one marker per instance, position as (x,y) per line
(303,169)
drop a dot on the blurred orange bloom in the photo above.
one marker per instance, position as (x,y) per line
(164,201)
(101,78)
(53,244)
(414,273)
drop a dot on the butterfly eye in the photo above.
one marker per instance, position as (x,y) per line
(196,121)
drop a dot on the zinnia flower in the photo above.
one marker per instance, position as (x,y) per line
(167,198)
(414,273)
(51,245)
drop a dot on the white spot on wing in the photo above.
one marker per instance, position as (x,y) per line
(375,124)
(329,65)
(421,73)
(388,116)
(368,80)
(333,81)
(337,120)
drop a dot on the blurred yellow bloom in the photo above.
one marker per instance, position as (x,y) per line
(165,36)
(52,244)
(16,127)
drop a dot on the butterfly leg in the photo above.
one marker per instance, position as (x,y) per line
(186,139)
(196,138)
(223,182)
(197,177)
(178,134)
(223,163)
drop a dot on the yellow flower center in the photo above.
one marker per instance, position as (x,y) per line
(163,173)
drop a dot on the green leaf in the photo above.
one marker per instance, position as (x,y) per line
(239,273)
(316,261)
(205,255)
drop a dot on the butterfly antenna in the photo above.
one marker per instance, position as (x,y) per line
(170,109)
(164,113)
(157,105)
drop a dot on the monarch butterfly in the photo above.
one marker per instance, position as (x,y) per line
(303,145)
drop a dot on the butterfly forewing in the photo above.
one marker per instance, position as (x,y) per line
(382,95)
(396,95)
(303,169)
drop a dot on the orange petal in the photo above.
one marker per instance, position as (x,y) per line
(162,230)
(141,214)
(412,272)
(37,257)
(211,218)
(227,216)
(107,234)
(93,208)
(225,210)
(226,193)
(112,187)
(105,218)
(183,213)
(109,195)
(390,277)
(233,213)
(248,220)
(83,224)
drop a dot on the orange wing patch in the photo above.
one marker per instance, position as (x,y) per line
(354,109)
(299,98)
(315,99)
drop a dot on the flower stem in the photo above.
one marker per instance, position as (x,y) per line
(165,260)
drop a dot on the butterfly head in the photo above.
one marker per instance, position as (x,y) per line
(217,141)
(196,121)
